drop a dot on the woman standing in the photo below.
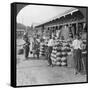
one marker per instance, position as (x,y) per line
(36,48)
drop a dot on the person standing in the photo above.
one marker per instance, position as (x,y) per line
(50,46)
(26,48)
(26,45)
(77,54)
(84,56)
(36,48)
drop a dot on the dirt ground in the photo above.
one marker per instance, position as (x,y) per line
(36,72)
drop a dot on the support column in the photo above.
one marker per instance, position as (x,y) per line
(77,28)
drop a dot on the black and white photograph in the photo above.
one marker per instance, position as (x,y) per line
(51,44)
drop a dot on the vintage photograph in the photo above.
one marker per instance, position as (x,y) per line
(51,44)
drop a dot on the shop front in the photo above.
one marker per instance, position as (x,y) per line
(64,29)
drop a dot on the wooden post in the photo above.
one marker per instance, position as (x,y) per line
(77,28)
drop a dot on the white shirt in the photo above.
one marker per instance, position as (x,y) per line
(76,44)
(51,42)
(38,40)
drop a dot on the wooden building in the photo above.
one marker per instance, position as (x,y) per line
(75,19)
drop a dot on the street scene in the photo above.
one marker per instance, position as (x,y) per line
(51,45)
(36,72)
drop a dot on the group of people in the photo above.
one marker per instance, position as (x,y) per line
(79,51)
(80,54)
(35,46)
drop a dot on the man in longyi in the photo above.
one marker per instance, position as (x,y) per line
(77,54)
